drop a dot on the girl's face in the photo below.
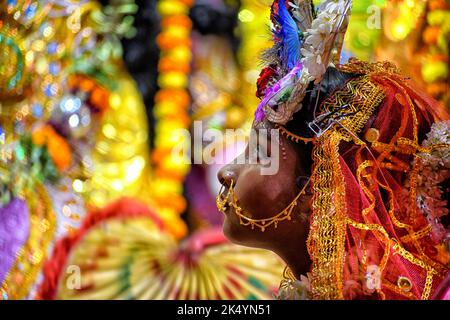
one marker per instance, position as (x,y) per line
(264,196)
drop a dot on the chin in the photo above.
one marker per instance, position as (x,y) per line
(231,232)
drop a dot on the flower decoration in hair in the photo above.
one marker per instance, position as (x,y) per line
(267,77)
(304,47)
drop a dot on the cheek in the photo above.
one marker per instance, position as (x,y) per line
(262,197)
(257,194)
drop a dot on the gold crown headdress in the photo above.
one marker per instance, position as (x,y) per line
(306,43)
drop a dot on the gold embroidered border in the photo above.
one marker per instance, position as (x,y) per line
(326,241)
(416,235)
(363,67)
(362,97)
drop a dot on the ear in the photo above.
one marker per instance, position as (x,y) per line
(302,181)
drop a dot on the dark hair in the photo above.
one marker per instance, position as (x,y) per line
(315,96)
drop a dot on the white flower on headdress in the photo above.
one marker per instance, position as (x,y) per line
(322,25)
(306,78)
(314,43)
(318,38)
(324,21)
(312,61)
(335,6)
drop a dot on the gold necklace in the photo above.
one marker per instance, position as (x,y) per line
(286,214)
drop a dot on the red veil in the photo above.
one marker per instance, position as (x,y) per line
(375,228)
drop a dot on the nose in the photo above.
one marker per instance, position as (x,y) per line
(226,175)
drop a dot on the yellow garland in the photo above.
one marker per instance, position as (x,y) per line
(172,105)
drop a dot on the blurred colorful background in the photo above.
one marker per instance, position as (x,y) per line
(94,203)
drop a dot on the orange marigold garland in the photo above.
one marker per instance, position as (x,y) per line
(57,146)
(172,103)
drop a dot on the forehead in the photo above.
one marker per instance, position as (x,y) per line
(265,129)
(260,125)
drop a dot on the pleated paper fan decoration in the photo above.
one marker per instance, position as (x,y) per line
(130,259)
